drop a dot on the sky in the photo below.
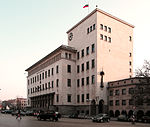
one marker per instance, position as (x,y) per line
(31,29)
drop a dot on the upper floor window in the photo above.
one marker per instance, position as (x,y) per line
(78,55)
(90,28)
(93,26)
(70,56)
(82,67)
(42,75)
(69,98)
(57,97)
(93,79)
(123,102)
(93,63)
(57,82)
(78,68)
(111,93)
(105,38)
(109,39)
(131,90)
(87,50)
(111,103)
(78,82)
(130,54)
(130,38)
(82,53)
(45,74)
(117,92)
(66,55)
(87,80)
(78,98)
(105,28)
(87,96)
(57,69)
(82,97)
(101,36)
(69,82)
(101,26)
(82,81)
(109,29)
(117,102)
(87,65)
(93,48)
(52,71)
(69,68)
(123,91)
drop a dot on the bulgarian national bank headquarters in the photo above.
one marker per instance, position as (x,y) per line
(75,78)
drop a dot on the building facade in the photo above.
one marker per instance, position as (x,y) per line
(128,96)
(100,49)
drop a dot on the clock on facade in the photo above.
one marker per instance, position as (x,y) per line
(70,36)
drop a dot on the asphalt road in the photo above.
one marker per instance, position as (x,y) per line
(10,121)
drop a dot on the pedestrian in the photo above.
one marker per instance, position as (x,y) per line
(133,119)
(18,115)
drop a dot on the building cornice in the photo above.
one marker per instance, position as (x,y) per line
(103,12)
(62,47)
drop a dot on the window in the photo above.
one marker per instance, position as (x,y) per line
(37,77)
(101,36)
(87,96)
(101,26)
(69,98)
(46,86)
(69,68)
(57,69)
(123,102)
(109,30)
(130,63)
(66,55)
(105,38)
(78,82)
(82,81)
(52,71)
(82,97)
(87,65)
(93,48)
(117,92)
(130,70)
(48,73)
(123,91)
(78,68)
(69,82)
(42,75)
(33,79)
(130,102)
(70,56)
(78,55)
(111,93)
(117,102)
(82,53)
(82,67)
(43,86)
(111,103)
(130,38)
(109,39)
(45,74)
(87,80)
(52,84)
(105,28)
(49,85)
(78,98)
(93,63)
(57,98)
(90,28)
(130,54)
(87,50)
(93,79)
(131,90)
(57,82)
(93,26)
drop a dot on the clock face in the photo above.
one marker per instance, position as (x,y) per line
(70,36)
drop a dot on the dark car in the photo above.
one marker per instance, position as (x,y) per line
(122,118)
(30,113)
(50,115)
(16,112)
(74,115)
(101,118)
(146,119)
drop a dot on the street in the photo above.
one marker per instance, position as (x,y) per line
(7,120)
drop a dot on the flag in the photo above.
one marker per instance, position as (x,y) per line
(86,6)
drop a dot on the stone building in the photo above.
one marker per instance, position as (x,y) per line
(128,96)
(74,78)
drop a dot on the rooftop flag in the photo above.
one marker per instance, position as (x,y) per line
(86,6)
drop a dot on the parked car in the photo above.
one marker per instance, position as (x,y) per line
(81,116)
(30,113)
(122,118)
(101,118)
(50,115)
(16,112)
(74,115)
(146,119)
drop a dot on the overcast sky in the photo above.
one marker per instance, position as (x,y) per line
(31,29)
